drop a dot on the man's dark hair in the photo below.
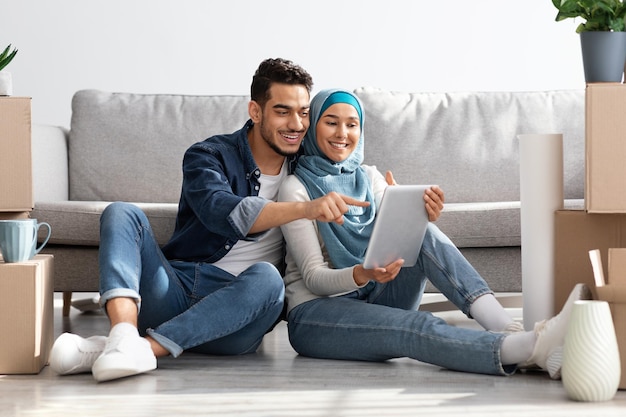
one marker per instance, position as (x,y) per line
(277,70)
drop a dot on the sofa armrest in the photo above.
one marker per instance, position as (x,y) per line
(50,163)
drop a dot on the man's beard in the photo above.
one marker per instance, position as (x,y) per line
(267,137)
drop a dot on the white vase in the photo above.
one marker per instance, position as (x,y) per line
(591,364)
(6,84)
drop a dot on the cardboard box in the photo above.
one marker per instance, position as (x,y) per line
(614,292)
(16,176)
(576,233)
(605,148)
(26,315)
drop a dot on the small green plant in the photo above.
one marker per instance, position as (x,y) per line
(7,56)
(598,15)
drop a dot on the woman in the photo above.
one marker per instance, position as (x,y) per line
(339,310)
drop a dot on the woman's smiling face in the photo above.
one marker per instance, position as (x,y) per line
(338,131)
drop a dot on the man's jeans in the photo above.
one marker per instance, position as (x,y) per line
(381,321)
(185,305)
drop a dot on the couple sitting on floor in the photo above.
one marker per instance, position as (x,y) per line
(216,287)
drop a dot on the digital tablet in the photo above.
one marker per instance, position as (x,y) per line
(399,228)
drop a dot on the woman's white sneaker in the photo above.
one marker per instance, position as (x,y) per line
(72,354)
(126,353)
(548,351)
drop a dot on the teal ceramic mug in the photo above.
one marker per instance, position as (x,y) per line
(18,239)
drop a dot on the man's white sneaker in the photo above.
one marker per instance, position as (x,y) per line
(126,353)
(548,351)
(72,354)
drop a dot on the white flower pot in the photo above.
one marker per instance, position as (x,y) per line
(591,363)
(6,84)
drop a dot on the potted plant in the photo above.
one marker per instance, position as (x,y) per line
(6,83)
(602,36)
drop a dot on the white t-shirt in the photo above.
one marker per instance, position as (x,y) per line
(268,247)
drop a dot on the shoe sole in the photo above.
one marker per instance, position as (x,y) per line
(114,366)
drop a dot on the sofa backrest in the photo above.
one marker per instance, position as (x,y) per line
(129,147)
(467,141)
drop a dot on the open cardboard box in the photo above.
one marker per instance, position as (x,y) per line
(576,233)
(613,291)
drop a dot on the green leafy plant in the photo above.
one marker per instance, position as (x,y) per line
(598,15)
(7,56)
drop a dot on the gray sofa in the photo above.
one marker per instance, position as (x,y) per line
(129,147)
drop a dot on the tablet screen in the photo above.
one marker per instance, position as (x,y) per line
(400,227)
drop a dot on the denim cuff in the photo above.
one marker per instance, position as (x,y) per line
(170,346)
(120,293)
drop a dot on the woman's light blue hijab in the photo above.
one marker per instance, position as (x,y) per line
(345,243)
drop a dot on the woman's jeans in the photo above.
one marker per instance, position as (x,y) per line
(185,305)
(381,321)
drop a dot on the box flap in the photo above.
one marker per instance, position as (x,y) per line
(612,293)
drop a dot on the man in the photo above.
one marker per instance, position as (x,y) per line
(215,287)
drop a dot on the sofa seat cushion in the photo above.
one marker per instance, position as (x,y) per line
(78,222)
(469,225)
(487,224)
(481,224)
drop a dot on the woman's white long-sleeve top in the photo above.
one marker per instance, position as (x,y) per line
(309,273)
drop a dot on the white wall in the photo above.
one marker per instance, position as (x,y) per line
(213,47)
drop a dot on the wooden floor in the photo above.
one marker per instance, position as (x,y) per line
(277,382)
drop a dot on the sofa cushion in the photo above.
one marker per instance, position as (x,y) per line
(487,224)
(481,224)
(129,147)
(467,141)
(78,222)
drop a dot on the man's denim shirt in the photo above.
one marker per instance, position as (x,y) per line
(219,201)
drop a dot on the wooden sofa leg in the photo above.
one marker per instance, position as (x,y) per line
(67,303)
